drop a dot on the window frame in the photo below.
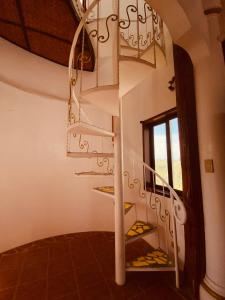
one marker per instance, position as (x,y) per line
(149,158)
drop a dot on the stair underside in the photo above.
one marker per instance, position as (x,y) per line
(89,154)
(87,129)
(155,260)
(138,230)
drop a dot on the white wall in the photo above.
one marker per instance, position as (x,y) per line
(40,196)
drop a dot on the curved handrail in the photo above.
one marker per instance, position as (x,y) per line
(178,205)
(76,36)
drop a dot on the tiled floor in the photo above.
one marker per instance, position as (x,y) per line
(77,266)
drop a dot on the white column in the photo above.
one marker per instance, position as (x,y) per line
(210,95)
(119,210)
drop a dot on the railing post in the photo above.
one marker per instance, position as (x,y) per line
(175,245)
(119,211)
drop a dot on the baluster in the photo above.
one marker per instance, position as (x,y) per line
(175,242)
(97,50)
(146,195)
(166,229)
(138,30)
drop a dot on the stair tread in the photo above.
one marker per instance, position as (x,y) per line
(139,229)
(87,129)
(89,154)
(110,191)
(128,206)
(105,189)
(155,258)
(93,173)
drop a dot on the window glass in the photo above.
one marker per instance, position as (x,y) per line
(175,153)
(160,151)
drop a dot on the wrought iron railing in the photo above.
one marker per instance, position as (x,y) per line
(166,210)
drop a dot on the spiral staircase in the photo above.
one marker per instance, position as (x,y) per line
(121,32)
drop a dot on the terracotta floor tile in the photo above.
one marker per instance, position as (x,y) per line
(33,291)
(130,289)
(33,272)
(12,261)
(58,250)
(89,276)
(7,294)
(9,278)
(69,297)
(78,267)
(99,291)
(61,285)
(59,266)
(37,256)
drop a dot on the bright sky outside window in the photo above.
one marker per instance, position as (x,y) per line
(160,151)
(175,155)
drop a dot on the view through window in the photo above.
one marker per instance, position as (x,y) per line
(162,148)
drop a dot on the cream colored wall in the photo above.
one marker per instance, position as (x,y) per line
(40,196)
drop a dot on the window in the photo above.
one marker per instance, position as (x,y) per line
(162,149)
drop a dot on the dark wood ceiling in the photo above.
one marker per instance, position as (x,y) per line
(43,27)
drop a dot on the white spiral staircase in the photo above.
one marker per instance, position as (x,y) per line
(130,31)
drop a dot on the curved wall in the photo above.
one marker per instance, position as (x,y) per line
(40,196)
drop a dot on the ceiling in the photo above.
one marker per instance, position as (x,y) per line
(43,27)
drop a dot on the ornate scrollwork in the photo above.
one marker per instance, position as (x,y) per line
(83,145)
(141,37)
(142,19)
(125,24)
(102,161)
(135,181)
(104,38)
(164,216)
(179,211)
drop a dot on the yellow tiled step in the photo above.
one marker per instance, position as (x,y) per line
(138,230)
(128,206)
(155,260)
(110,191)
(105,189)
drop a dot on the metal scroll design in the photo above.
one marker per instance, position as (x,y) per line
(104,161)
(83,145)
(100,37)
(155,33)
(163,215)
(154,202)
(148,29)
(125,24)
(135,182)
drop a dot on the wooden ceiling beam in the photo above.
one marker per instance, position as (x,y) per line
(20,12)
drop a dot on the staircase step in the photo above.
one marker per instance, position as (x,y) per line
(138,230)
(109,191)
(154,260)
(89,154)
(87,129)
(128,206)
(93,173)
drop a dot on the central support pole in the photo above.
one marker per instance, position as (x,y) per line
(119,210)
